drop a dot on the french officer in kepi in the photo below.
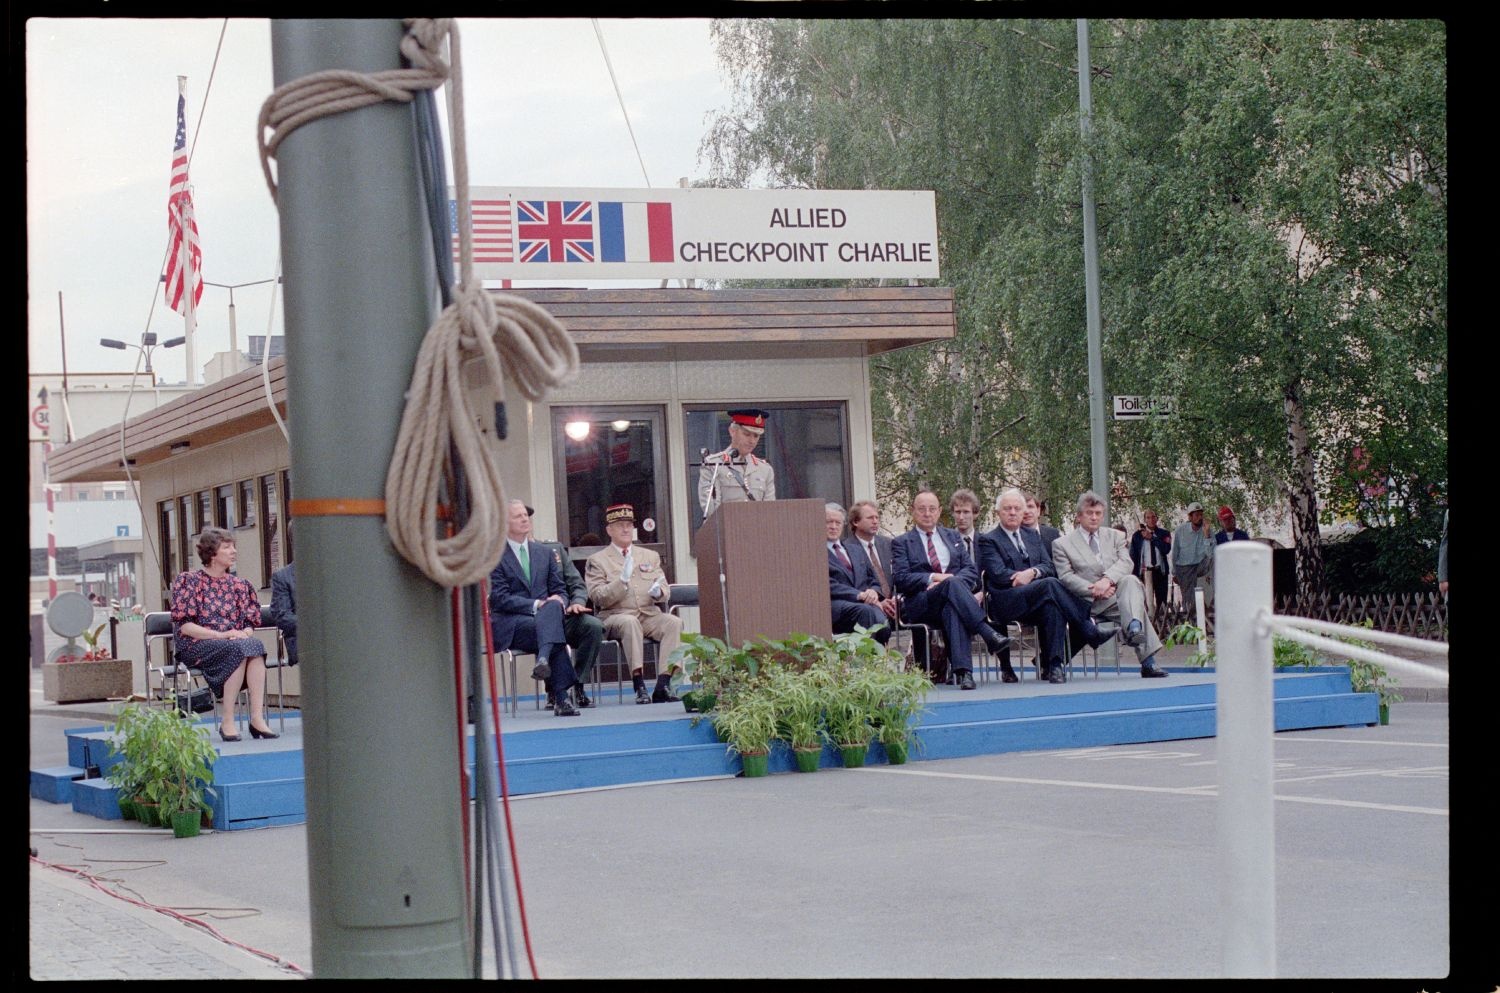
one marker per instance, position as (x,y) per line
(735,473)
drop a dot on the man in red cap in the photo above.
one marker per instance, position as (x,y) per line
(735,473)
(1228,532)
(627,586)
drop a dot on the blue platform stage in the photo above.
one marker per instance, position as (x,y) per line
(260,783)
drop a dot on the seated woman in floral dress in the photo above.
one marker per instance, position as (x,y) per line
(214,614)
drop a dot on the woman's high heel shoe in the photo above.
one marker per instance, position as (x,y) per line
(229,737)
(255,733)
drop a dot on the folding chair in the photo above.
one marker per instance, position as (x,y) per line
(276,658)
(158,630)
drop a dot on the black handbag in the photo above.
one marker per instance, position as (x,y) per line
(199,700)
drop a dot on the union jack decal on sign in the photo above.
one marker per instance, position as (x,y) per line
(555,230)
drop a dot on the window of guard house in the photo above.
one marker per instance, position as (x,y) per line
(610,455)
(270,540)
(205,510)
(166,513)
(806,443)
(247,503)
(186,534)
(224,511)
(286,532)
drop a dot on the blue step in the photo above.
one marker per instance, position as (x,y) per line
(97,798)
(55,783)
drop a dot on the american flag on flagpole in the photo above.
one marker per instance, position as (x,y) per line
(185,257)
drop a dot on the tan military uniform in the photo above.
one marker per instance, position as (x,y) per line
(626,607)
(759,480)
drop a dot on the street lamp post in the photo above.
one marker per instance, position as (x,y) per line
(146,347)
(234,345)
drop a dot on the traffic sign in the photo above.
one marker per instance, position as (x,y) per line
(1133,408)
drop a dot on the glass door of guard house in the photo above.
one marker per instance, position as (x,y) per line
(609,455)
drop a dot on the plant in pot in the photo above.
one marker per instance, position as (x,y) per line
(1372,677)
(165,761)
(715,668)
(852,702)
(902,694)
(800,699)
(747,725)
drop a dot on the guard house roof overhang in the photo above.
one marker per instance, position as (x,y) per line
(767,321)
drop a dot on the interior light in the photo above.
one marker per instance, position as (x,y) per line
(621,425)
(577,430)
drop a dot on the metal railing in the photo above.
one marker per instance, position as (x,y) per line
(1246,725)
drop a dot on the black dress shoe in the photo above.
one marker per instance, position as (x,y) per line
(541,671)
(664,696)
(965,679)
(254,733)
(1152,672)
(994,641)
(641,696)
(1056,674)
(1009,676)
(564,708)
(1107,630)
(580,698)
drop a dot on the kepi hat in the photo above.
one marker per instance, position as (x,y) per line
(619,512)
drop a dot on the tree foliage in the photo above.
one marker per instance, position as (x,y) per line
(1272,210)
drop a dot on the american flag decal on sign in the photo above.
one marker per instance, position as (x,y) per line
(555,230)
(492,232)
(184,256)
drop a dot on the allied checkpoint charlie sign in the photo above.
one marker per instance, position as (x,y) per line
(542,233)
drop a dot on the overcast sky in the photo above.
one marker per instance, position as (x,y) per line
(101,111)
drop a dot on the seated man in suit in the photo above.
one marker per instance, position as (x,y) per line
(853,590)
(1023,586)
(584,631)
(936,579)
(626,584)
(1093,564)
(284,606)
(1033,520)
(864,531)
(527,597)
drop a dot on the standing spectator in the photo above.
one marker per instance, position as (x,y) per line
(1193,555)
(1443,559)
(1228,531)
(1150,547)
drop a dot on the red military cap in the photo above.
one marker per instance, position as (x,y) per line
(750,417)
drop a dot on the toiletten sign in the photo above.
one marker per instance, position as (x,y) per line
(547,233)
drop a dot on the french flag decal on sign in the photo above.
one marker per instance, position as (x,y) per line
(635,232)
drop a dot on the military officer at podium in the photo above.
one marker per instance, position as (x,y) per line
(735,473)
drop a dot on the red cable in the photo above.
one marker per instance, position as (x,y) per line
(515,865)
(94,882)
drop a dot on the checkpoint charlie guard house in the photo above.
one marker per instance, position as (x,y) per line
(658,369)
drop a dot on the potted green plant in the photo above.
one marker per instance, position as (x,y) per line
(1371,677)
(852,703)
(902,693)
(747,727)
(165,762)
(799,699)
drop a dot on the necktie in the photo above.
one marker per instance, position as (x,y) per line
(838,550)
(629,565)
(525,559)
(879,572)
(1020,549)
(932,557)
(969,545)
(1094,542)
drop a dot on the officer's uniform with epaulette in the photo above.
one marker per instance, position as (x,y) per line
(730,476)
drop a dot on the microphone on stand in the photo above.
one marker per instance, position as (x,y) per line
(713,480)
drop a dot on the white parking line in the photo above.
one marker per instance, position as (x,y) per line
(1203,791)
(1363,772)
(1364,741)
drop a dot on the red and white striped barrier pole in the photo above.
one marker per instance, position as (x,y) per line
(46,428)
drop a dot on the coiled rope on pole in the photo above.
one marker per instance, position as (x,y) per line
(478,326)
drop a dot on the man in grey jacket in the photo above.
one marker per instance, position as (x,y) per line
(1193,555)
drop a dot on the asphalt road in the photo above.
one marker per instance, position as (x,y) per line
(1080,863)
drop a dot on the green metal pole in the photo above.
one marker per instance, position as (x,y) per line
(384,811)
(1099,455)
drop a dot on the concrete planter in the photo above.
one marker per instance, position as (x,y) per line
(70,682)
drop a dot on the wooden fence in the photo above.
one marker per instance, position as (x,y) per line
(1420,615)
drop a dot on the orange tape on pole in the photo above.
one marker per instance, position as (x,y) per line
(337,507)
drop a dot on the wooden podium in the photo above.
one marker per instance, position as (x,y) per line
(773,559)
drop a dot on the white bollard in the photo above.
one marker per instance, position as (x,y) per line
(1202,620)
(1246,724)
